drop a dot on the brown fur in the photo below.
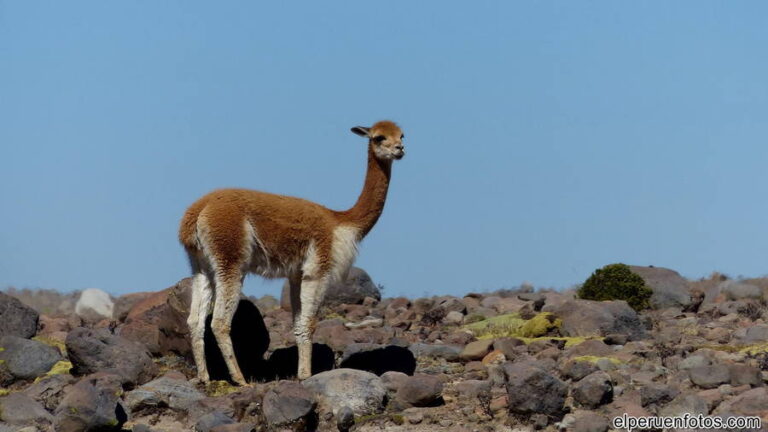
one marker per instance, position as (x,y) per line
(215,233)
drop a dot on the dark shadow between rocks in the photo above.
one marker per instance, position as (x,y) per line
(250,340)
(284,362)
(380,360)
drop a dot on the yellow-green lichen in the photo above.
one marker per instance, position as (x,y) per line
(569,341)
(51,342)
(4,392)
(219,388)
(61,367)
(595,359)
(499,326)
(540,325)
(744,349)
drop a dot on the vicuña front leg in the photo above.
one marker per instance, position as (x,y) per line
(312,292)
(225,305)
(199,308)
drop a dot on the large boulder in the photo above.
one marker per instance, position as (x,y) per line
(25,359)
(669,288)
(96,350)
(533,390)
(420,390)
(354,290)
(94,305)
(595,318)
(92,404)
(361,391)
(16,318)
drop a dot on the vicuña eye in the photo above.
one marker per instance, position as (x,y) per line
(379,138)
(402,136)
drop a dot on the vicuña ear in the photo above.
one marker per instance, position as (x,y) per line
(362,131)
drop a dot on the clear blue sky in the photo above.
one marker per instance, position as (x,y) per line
(545,139)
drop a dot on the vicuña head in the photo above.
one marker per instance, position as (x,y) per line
(231,232)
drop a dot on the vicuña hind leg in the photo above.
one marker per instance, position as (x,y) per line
(227,297)
(312,293)
(198,312)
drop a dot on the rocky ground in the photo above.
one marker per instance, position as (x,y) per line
(510,360)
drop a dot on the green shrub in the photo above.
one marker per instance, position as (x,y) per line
(617,282)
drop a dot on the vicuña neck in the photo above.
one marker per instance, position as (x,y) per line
(370,204)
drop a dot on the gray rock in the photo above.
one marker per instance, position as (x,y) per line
(50,391)
(756,334)
(472,389)
(362,391)
(657,394)
(234,427)
(213,419)
(176,394)
(593,318)
(685,403)
(735,290)
(354,290)
(453,304)
(532,390)
(447,352)
(16,318)
(693,361)
(594,390)
(742,374)
(345,419)
(420,390)
(91,404)
(752,402)
(94,350)
(453,318)
(669,288)
(27,359)
(710,376)
(586,421)
(289,403)
(19,409)
(392,381)
(577,370)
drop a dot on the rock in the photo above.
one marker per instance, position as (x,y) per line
(420,390)
(473,389)
(361,391)
(212,420)
(532,390)
(685,404)
(735,290)
(750,403)
(345,419)
(476,350)
(94,305)
(592,347)
(392,382)
(577,370)
(16,318)
(593,318)
(693,361)
(710,376)
(378,359)
(49,391)
(94,350)
(26,359)
(366,322)
(453,318)
(742,374)
(91,404)
(758,333)
(125,303)
(354,290)
(289,403)
(585,421)
(615,339)
(20,410)
(669,288)
(510,347)
(174,393)
(594,390)
(446,352)
(657,394)
(234,427)
(453,304)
